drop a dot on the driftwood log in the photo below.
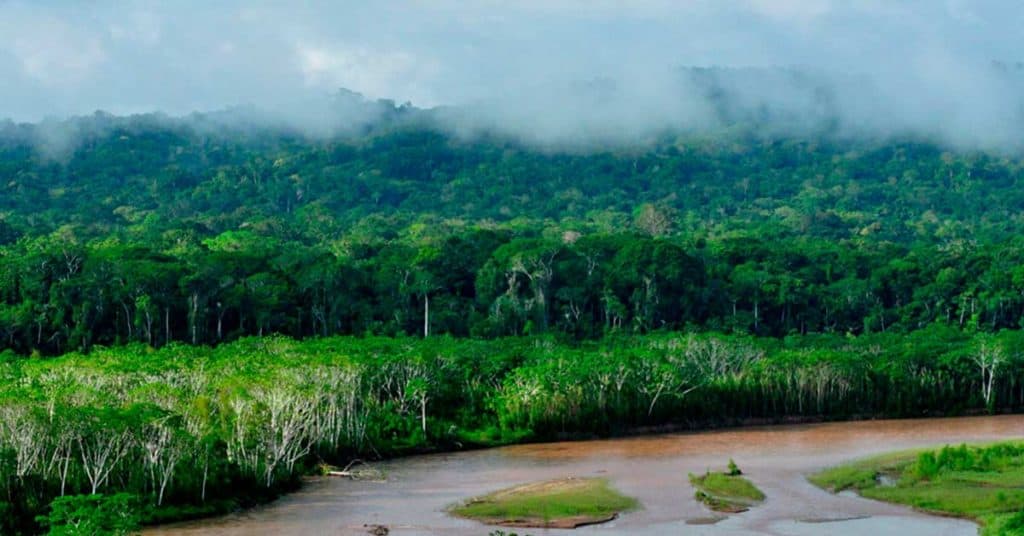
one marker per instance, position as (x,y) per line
(357,470)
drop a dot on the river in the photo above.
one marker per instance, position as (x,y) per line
(653,469)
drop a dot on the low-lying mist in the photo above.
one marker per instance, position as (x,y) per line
(560,74)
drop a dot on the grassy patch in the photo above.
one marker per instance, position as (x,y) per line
(726,493)
(983,483)
(837,479)
(565,503)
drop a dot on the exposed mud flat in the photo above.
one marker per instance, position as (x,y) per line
(653,469)
(561,523)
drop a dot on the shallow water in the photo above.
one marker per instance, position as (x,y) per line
(653,469)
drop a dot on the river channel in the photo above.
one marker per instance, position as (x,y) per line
(413,499)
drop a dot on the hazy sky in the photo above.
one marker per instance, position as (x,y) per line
(927,62)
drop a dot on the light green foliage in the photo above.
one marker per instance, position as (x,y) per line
(981,483)
(177,421)
(728,486)
(844,477)
(726,492)
(547,502)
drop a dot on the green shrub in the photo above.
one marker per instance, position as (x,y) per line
(94,515)
(1015,522)
(927,467)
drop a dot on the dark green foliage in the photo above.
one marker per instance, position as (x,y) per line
(94,515)
(155,230)
(550,295)
(1015,522)
(926,466)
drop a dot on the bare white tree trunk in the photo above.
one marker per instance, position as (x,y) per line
(989,357)
(423,411)
(426,315)
(20,431)
(101,451)
(163,452)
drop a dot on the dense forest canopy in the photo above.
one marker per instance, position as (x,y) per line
(598,218)
(259,299)
(207,228)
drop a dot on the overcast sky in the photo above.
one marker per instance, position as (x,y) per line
(923,58)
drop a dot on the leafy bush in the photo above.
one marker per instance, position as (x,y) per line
(926,467)
(94,515)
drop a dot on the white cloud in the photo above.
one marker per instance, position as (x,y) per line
(51,51)
(520,65)
(374,73)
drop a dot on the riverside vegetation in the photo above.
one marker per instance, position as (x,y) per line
(726,492)
(192,315)
(195,430)
(984,483)
(566,503)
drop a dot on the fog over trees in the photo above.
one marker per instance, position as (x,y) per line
(219,271)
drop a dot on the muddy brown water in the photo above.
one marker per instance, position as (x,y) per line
(653,469)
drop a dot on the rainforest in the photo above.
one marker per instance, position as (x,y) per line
(417,267)
(193,316)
